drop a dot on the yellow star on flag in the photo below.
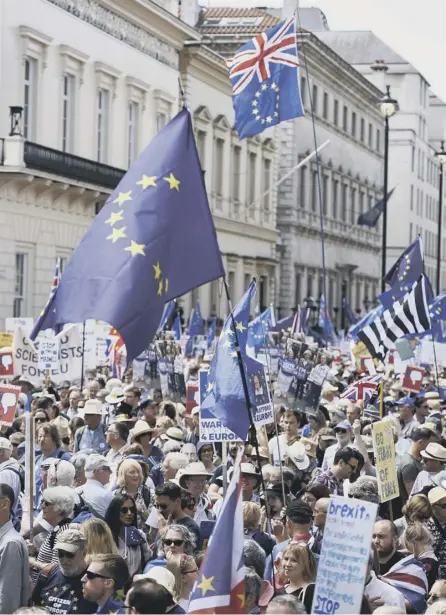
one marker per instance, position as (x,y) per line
(166,285)
(123,197)
(258,94)
(240,327)
(234,354)
(206,585)
(269,119)
(227,344)
(264,87)
(117,233)
(135,248)
(254,103)
(160,288)
(241,597)
(157,270)
(146,181)
(116,216)
(173,182)
(209,387)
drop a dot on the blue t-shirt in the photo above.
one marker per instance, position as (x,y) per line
(113,606)
(61,595)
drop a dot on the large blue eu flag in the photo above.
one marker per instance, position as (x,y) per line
(264,74)
(154,240)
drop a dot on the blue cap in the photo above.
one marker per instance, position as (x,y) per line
(405,401)
(343,425)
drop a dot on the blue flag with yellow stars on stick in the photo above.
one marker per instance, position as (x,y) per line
(154,240)
(264,76)
(226,398)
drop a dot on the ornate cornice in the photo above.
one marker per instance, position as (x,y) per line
(93,13)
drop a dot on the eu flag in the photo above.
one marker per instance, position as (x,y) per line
(407,269)
(196,323)
(370,218)
(211,331)
(47,317)
(177,328)
(226,398)
(264,74)
(437,308)
(258,328)
(326,325)
(154,240)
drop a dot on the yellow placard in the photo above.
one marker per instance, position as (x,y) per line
(384,449)
(5,339)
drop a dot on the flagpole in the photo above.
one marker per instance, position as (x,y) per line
(298,165)
(248,404)
(83,356)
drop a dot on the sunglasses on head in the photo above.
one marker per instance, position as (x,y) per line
(61,553)
(176,543)
(127,509)
(94,575)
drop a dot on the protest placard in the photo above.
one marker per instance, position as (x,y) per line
(8,401)
(6,339)
(344,556)
(413,378)
(211,429)
(48,353)
(384,449)
(6,363)
(12,324)
(263,412)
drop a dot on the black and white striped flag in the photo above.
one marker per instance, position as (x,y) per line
(408,315)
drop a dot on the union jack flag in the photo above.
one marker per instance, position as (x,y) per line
(47,316)
(265,79)
(363,389)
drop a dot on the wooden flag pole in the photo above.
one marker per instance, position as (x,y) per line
(29,471)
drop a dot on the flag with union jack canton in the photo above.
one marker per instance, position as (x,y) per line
(47,317)
(264,74)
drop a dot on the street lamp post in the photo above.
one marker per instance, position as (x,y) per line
(441,157)
(388,107)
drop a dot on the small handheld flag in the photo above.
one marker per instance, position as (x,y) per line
(264,74)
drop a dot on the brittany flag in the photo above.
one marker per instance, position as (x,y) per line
(221,585)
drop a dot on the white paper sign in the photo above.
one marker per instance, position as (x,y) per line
(344,556)
(49,353)
(26,357)
(12,324)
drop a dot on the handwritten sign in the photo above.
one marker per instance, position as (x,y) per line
(344,556)
(384,449)
(49,353)
(6,339)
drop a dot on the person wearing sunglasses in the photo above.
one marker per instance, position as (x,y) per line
(437,526)
(106,575)
(185,570)
(59,586)
(121,517)
(346,464)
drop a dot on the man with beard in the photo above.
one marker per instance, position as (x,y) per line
(105,576)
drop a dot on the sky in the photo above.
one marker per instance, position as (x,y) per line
(415,30)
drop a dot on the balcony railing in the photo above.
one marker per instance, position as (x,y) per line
(41,158)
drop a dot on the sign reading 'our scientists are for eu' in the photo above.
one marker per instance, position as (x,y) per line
(344,556)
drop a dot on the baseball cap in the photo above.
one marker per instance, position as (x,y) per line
(6,444)
(299,512)
(94,462)
(405,401)
(71,541)
(161,575)
(343,425)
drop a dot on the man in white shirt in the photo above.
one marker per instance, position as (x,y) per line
(94,493)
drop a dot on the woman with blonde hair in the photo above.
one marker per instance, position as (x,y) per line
(130,482)
(417,509)
(297,570)
(251,521)
(418,540)
(185,570)
(99,539)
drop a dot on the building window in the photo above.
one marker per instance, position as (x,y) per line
(266,188)
(303,179)
(219,146)
(201,147)
(252,161)
(63,262)
(314,191)
(336,112)
(315,101)
(344,202)
(325,106)
(410,232)
(378,140)
(297,286)
(236,161)
(21,282)
(361,202)
(310,280)
(353,124)
(345,118)
(411,198)
(303,91)
(330,300)
(248,279)
(362,130)
(133,119)
(325,194)
(370,139)
(353,205)
(68,112)
(161,121)
(30,99)
(335,198)
(103,120)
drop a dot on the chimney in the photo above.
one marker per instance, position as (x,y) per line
(189,12)
(289,8)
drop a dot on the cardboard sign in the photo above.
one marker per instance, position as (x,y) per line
(384,449)
(6,363)
(49,354)
(12,324)
(263,413)
(8,401)
(6,339)
(344,556)
(413,378)
(211,429)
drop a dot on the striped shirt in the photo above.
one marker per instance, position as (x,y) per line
(47,553)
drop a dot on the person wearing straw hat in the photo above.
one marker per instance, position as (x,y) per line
(142,434)
(194,479)
(92,434)
(433,459)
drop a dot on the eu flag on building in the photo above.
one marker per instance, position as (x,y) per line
(264,74)
(220,588)
(154,240)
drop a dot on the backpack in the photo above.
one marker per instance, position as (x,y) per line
(83,511)
(20,471)
(80,433)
